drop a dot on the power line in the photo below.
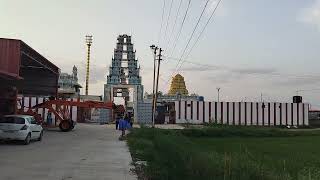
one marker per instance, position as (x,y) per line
(203,29)
(163,8)
(309,90)
(174,24)
(194,29)
(180,29)
(190,62)
(251,74)
(165,32)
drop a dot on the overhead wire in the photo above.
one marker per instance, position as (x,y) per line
(191,36)
(162,17)
(190,62)
(180,29)
(202,31)
(252,74)
(168,19)
(174,25)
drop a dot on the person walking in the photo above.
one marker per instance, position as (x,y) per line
(130,120)
(49,118)
(122,127)
(117,123)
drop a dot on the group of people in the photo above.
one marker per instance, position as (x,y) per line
(122,124)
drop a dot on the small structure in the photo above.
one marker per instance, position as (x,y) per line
(173,98)
(314,118)
(165,112)
(68,84)
(178,91)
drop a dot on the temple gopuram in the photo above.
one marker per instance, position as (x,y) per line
(178,86)
(177,91)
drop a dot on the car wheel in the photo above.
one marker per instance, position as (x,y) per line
(28,139)
(65,125)
(40,136)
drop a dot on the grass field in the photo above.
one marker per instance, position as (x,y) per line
(227,153)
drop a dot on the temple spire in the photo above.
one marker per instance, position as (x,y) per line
(178,86)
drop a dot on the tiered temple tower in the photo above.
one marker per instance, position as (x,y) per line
(124,68)
(178,86)
(124,73)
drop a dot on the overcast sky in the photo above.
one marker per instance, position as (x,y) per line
(249,47)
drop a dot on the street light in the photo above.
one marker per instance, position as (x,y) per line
(88,42)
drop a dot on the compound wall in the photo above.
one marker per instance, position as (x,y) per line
(242,113)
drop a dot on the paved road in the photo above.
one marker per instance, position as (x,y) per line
(88,152)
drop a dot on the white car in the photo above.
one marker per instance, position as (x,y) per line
(20,127)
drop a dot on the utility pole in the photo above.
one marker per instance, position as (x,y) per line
(154,48)
(88,42)
(157,86)
(218,89)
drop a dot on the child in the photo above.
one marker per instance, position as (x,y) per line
(122,126)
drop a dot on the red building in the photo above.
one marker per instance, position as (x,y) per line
(24,71)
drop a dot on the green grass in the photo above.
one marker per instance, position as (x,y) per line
(227,153)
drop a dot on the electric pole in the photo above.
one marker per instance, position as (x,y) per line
(157,87)
(88,42)
(218,89)
(154,48)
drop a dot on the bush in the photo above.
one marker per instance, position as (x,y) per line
(241,131)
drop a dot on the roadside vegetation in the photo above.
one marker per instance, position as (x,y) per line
(220,152)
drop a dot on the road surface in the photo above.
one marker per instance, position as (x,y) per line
(88,152)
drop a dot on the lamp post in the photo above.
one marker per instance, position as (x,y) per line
(88,42)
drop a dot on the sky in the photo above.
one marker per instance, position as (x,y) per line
(249,48)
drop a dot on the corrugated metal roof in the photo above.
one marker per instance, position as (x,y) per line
(20,61)
(10,58)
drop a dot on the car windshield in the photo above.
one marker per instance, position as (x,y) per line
(12,120)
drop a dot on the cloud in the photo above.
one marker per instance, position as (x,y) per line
(98,72)
(311,15)
(265,75)
(298,81)
(146,69)
(228,75)
(224,77)
(254,71)
(200,68)
(221,11)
